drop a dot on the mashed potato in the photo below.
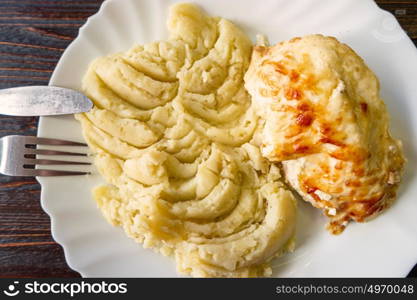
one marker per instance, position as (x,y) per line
(174,135)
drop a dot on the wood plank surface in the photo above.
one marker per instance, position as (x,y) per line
(33,36)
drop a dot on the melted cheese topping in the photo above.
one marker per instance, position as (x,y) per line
(173,132)
(325,121)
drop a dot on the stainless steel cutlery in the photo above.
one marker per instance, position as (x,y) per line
(19,154)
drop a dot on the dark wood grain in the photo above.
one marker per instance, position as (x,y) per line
(33,36)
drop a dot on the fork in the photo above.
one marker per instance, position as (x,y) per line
(18,156)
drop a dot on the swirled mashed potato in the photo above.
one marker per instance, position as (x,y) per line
(174,135)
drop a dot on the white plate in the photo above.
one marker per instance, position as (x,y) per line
(386,246)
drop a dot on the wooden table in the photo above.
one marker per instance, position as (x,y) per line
(33,35)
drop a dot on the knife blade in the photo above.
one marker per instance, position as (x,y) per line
(42,101)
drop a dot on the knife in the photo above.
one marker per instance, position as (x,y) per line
(42,101)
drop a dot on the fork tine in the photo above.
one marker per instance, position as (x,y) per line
(17,160)
(52,152)
(28,161)
(48,141)
(41,172)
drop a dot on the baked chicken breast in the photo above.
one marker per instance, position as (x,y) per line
(325,121)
